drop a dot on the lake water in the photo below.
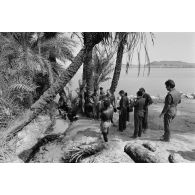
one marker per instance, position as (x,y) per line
(154,83)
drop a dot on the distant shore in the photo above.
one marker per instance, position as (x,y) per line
(160,99)
(136,66)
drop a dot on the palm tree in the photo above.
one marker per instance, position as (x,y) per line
(88,67)
(52,46)
(103,66)
(90,39)
(25,69)
(127,41)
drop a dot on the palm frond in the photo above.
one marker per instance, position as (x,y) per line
(103,66)
(61,47)
(135,41)
(76,154)
(22,87)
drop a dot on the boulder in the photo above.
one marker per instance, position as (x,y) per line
(176,158)
(150,146)
(38,133)
(140,154)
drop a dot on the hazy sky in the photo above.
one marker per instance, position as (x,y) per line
(177,46)
(170,46)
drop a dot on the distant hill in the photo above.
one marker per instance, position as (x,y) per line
(171,64)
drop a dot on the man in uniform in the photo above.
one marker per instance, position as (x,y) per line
(138,114)
(172,99)
(106,116)
(148,101)
(128,109)
(123,105)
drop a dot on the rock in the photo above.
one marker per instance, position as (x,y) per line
(140,154)
(27,155)
(30,135)
(36,134)
(176,158)
(150,146)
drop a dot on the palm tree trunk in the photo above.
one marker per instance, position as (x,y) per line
(90,39)
(118,66)
(89,73)
(48,96)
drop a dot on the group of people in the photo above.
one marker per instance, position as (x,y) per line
(126,105)
(103,105)
(140,105)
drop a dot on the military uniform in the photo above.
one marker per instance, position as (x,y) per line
(148,101)
(172,99)
(124,103)
(138,116)
(128,110)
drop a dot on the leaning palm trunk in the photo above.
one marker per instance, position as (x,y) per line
(89,76)
(91,39)
(48,96)
(117,69)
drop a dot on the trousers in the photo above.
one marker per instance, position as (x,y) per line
(138,121)
(122,119)
(167,120)
(145,120)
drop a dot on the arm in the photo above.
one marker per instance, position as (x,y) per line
(134,103)
(168,101)
(150,101)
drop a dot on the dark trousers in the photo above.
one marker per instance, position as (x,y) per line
(145,120)
(122,119)
(128,115)
(138,120)
(167,121)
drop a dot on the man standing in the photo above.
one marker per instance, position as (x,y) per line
(148,101)
(123,104)
(172,99)
(128,108)
(106,116)
(138,114)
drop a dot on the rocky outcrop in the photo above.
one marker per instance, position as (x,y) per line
(176,158)
(140,154)
(38,133)
(151,152)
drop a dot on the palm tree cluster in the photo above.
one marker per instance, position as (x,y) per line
(28,68)
(31,77)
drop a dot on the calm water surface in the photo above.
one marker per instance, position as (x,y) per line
(154,83)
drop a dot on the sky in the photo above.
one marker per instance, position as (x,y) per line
(168,46)
(173,46)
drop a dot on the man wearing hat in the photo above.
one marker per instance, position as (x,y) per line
(172,99)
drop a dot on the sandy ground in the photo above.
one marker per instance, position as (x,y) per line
(86,131)
(182,129)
